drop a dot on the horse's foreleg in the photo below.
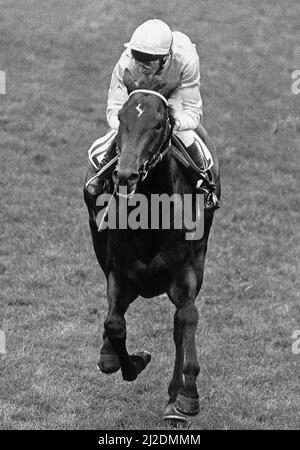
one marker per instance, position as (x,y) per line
(119,298)
(109,361)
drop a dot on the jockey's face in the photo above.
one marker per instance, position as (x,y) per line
(149,67)
(147,64)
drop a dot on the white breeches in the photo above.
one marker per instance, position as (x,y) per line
(101,145)
(187,137)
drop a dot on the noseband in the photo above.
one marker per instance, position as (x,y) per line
(149,91)
(158,155)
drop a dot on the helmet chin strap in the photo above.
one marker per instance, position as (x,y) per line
(168,56)
(163,61)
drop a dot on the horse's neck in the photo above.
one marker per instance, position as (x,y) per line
(167,177)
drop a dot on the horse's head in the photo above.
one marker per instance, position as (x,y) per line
(145,128)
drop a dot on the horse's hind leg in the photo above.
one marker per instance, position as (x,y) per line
(177,379)
(120,295)
(183,294)
(187,401)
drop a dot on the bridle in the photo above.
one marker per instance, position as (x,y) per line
(165,143)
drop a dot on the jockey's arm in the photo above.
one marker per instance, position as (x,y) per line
(186,100)
(117,95)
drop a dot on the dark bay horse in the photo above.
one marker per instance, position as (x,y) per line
(151,262)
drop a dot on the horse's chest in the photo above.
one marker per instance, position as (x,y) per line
(150,264)
(151,277)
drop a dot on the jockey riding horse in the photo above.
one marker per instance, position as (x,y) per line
(145,119)
(154,49)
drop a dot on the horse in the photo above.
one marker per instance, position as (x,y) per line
(151,262)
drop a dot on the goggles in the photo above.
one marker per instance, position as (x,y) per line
(151,66)
(147,62)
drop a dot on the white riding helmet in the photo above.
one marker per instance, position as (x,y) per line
(153,37)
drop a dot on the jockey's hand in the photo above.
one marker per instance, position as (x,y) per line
(177,125)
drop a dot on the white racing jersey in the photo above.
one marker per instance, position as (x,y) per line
(185,100)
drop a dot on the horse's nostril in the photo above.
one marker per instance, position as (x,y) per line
(134,177)
(123,177)
(115,176)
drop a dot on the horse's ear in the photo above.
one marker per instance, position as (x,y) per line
(171,82)
(129,81)
(158,83)
(169,88)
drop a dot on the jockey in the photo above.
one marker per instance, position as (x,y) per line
(154,48)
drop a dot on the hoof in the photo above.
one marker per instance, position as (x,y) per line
(187,405)
(129,375)
(174,418)
(108,363)
(140,360)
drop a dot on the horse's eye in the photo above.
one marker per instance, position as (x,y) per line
(124,126)
(159,125)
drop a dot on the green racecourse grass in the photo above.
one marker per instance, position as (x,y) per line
(58,57)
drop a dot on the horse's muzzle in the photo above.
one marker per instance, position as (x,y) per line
(126,178)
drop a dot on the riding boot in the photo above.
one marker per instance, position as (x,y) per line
(194,152)
(94,186)
(195,155)
(210,198)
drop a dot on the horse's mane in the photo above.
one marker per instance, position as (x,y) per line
(171,116)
